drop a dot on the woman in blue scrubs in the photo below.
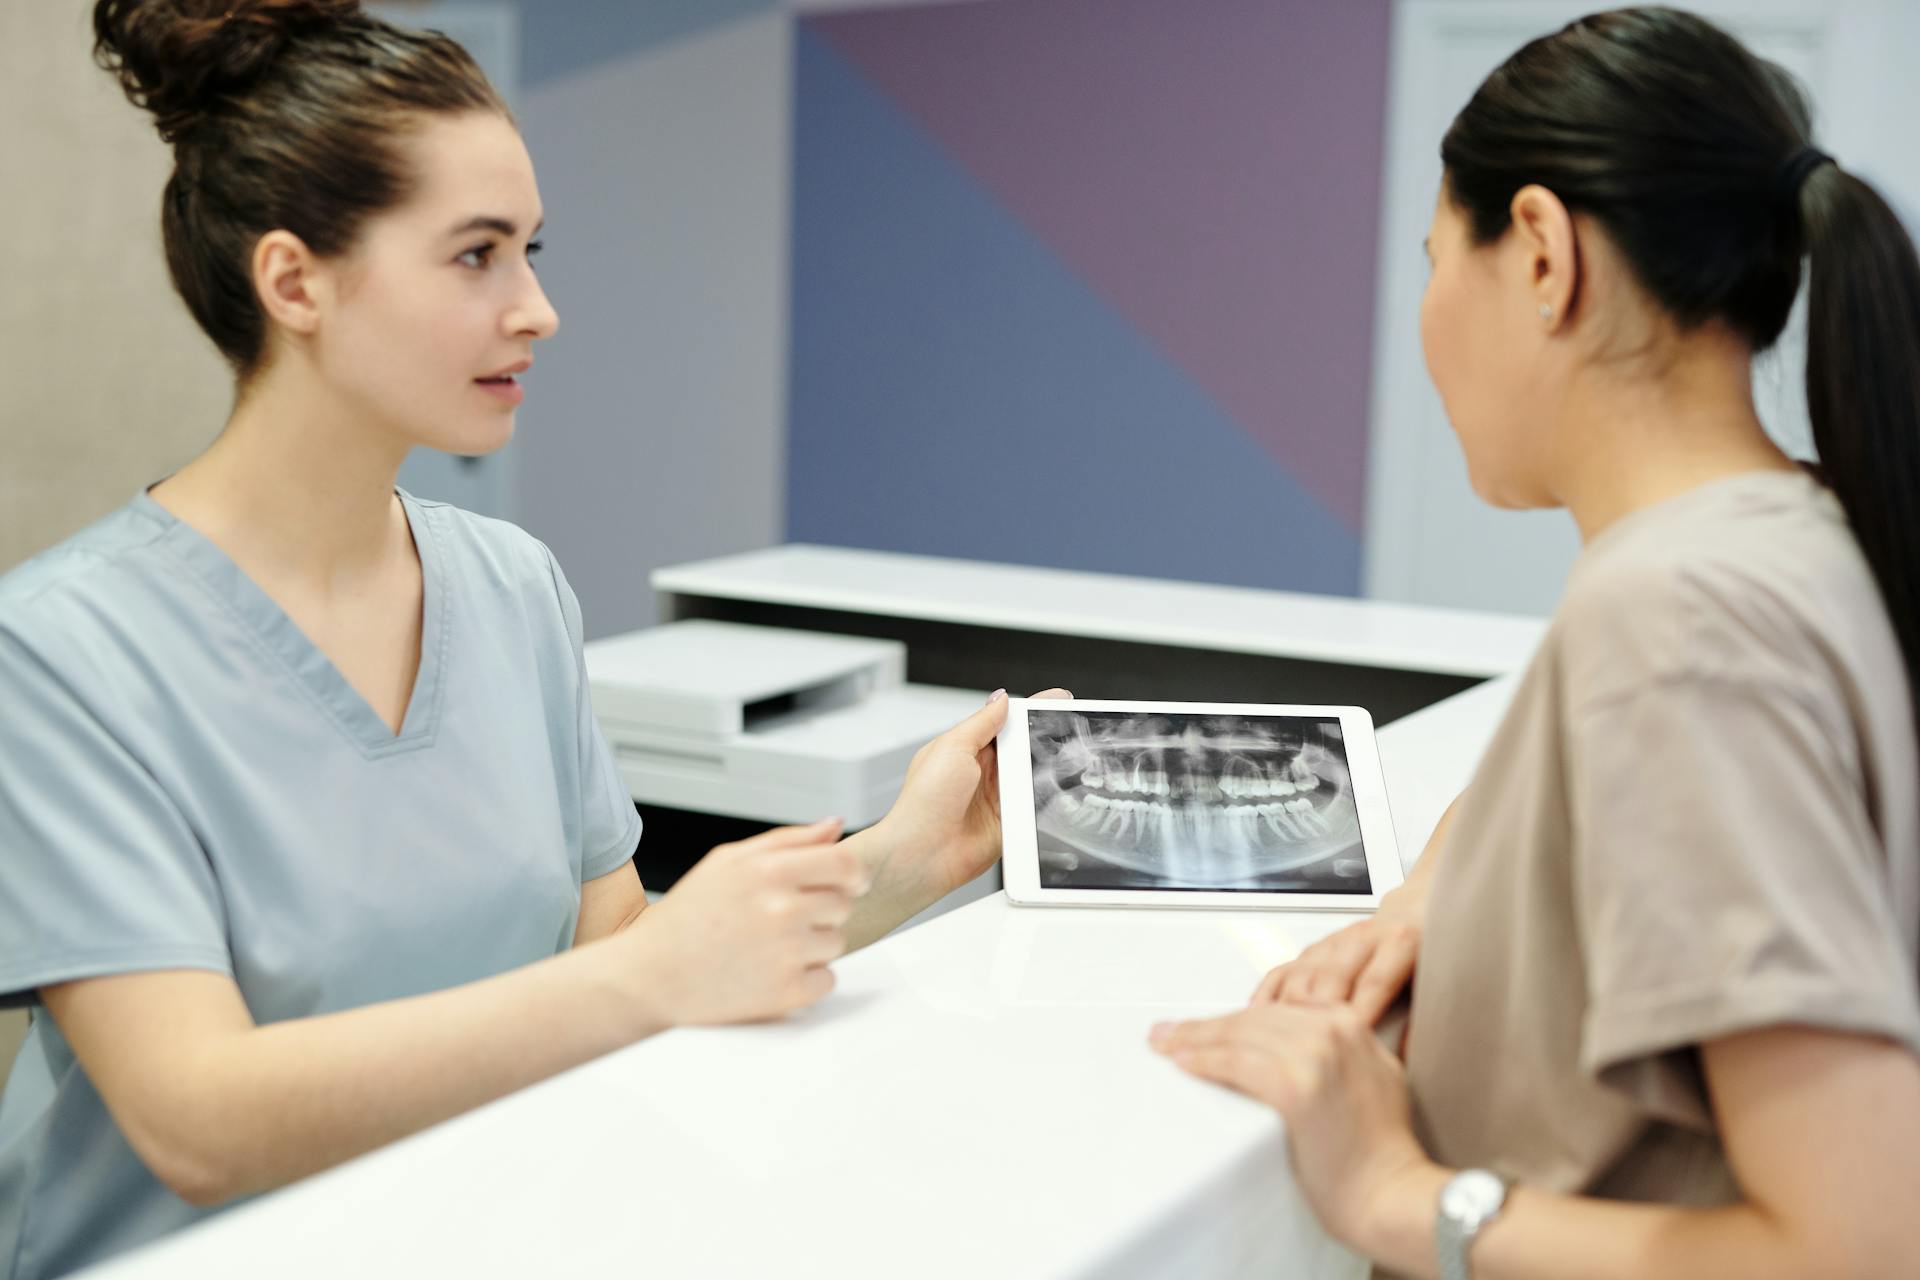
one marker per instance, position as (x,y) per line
(1664,952)
(308,839)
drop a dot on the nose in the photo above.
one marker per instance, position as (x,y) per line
(532,316)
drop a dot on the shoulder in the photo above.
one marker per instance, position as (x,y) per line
(1758,583)
(96,580)
(506,567)
(499,550)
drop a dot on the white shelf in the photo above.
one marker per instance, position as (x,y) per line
(1193,615)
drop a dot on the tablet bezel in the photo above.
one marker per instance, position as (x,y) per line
(1020,855)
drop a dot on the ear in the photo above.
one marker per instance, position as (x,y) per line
(287,279)
(1545,233)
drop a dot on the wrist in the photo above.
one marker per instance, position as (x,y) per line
(1406,904)
(1395,1227)
(898,873)
(633,981)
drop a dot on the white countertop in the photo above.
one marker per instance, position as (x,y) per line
(976,1099)
(1111,606)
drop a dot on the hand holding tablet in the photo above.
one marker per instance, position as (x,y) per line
(1194,805)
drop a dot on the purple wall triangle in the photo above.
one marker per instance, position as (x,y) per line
(1211,169)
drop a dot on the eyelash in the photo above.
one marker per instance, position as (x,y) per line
(484,250)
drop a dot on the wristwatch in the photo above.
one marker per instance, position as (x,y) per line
(1471,1199)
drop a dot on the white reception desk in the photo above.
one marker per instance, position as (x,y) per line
(977,1099)
(1196,616)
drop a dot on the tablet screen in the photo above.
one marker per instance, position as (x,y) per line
(1168,801)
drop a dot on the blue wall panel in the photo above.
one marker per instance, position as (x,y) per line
(956,390)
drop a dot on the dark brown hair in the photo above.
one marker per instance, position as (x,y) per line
(1696,158)
(283,114)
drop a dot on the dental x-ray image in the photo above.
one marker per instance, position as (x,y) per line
(1133,800)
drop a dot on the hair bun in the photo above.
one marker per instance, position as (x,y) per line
(177,58)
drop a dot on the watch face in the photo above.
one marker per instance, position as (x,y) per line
(1472,1196)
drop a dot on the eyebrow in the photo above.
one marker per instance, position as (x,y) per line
(489,222)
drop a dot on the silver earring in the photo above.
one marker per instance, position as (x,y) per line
(1546,311)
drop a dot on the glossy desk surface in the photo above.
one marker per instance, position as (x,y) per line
(977,1098)
(1110,606)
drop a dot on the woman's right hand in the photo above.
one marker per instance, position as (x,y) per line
(1370,963)
(1367,964)
(747,933)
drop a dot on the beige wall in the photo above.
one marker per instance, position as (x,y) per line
(107,382)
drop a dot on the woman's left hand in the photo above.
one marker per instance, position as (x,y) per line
(1342,1094)
(946,821)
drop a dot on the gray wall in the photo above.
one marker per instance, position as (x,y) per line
(653,428)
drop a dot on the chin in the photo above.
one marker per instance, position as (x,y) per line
(1494,490)
(1513,496)
(470,442)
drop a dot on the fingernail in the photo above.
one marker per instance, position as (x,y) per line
(1161,1030)
(995,696)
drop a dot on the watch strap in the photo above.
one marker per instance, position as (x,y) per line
(1453,1236)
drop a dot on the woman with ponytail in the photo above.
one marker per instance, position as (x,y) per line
(308,837)
(1664,951)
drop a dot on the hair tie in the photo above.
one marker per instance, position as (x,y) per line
(1788,179)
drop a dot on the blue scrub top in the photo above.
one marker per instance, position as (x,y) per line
(187,782)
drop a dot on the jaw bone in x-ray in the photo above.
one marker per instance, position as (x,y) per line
(1195,800)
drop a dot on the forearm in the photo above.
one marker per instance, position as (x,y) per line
(1539,1236)
(275,1103)
(1419,880)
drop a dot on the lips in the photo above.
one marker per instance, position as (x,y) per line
(505,390)
(505,377)
(502,385)
(506,374)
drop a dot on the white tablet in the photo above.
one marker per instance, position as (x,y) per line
(1193,804)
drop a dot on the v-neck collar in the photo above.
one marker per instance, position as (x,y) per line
(303,660)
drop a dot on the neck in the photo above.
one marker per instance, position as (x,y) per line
(1627,441)
(297,484)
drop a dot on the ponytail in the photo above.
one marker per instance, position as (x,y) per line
(1863,382)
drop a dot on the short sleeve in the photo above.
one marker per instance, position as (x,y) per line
(609,823)
(100,873)
(1727,874)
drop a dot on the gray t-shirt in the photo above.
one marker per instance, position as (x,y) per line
(1700,816)
(187,782)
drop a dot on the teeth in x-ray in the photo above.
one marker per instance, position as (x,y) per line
(1194,799)
(1303,811)
(1240,779)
